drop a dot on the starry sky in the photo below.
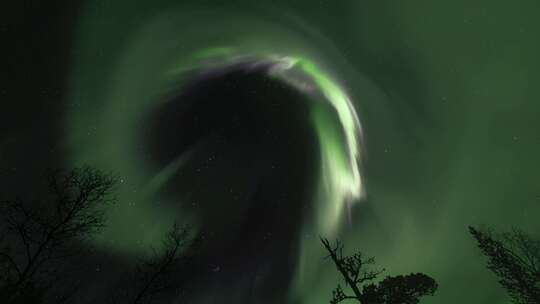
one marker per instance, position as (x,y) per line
(392,125)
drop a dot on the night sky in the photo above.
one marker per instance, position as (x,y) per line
(392,125)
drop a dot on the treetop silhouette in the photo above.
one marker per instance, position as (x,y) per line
(355,270)
(514,257)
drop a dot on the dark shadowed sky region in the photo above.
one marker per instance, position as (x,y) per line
(391,125)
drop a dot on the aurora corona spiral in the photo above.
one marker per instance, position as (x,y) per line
(156,115)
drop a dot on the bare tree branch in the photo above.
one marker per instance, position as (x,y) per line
(152,277)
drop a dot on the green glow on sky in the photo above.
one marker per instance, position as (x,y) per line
(450,120)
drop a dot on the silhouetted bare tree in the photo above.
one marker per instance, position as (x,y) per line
(358,276)
(515,258)
(152,276)
(36,241)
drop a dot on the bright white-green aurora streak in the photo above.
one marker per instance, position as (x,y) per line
(341,181)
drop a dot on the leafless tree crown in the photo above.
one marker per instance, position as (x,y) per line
(34,239)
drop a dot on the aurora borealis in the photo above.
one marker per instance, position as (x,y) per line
(391,125)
